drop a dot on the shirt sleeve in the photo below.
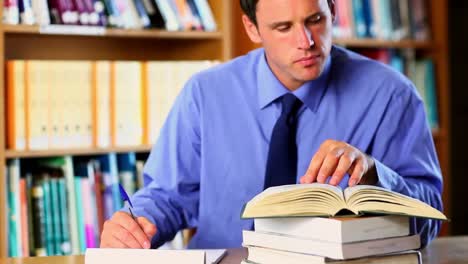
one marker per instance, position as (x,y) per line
(405,157)
(170,196)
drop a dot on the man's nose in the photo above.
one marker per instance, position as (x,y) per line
(305,38)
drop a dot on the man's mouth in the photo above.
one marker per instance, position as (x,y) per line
(309,60)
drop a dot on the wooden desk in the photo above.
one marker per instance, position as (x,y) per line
(447,250)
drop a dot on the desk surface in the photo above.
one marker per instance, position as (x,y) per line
(447,250)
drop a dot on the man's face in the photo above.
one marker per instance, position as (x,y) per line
(296,35)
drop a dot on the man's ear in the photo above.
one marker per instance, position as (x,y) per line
(251,29)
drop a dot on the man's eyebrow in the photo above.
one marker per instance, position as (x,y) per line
(279,23)
(282,23)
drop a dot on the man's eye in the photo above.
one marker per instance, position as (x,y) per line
(315,20)
(283,28)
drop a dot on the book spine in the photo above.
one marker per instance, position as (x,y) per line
(56,212)
(206,15)
(39,216)
(11,12)
(65,244)
(87,213)
(142,14)
(80,215)
(24,218)
(83,16)
(26,12)
(41,12)
(49,231)
(170,18)
(100,9)
(12,220)
(31,228)
(98,189)
(69,174)
(154,14)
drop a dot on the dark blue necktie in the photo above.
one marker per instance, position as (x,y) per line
(282,156)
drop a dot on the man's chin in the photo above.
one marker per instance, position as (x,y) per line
(312,72)
(310,76)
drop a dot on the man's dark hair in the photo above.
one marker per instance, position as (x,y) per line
(250,8)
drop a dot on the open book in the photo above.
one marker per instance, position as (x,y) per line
(318,199)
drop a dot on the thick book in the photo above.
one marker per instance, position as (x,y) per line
(330,249)
(338,230)
(326,200)
(265,255)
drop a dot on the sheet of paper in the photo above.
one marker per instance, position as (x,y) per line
(151,256)
(214,256)
(142,256)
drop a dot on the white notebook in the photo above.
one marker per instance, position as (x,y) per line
(151,256)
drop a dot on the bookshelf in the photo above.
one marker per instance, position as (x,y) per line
(21,42)
(435,48)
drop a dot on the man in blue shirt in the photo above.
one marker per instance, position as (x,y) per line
(359,122)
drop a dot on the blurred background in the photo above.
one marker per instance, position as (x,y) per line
(88,83)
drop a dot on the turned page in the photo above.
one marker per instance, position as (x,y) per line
(296,200)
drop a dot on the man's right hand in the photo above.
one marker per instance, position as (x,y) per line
(122,231)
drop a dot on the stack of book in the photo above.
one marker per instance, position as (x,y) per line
(365,224)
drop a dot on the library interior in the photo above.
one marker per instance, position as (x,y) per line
(94,91)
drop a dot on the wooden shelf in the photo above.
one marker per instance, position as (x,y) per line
(108,32)
(439,134)
(74,152)
(378,43)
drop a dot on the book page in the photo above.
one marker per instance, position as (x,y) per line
(374,199)
(314,199)
(291,187)
(348,192)
(142,256)
(214,256)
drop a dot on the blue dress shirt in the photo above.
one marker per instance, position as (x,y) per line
(210,158)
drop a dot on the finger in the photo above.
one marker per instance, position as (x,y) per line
(123,235)
(148,227)
(344,163)
(105,241)
(314,166)
(329,164)
(108,241)
(357,173)
(316,162)
(132,227)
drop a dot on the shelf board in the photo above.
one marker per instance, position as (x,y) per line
(74,152)
(9,154)
(379,43)
(65,30)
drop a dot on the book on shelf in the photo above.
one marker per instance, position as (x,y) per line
(171,15)
(337,230)
(95,108)
(381,19)
(258,255)
(331,249)
(326,200)
(57,205)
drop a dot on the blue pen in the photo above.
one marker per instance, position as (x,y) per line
(125,197)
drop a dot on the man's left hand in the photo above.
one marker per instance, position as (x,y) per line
(336,158)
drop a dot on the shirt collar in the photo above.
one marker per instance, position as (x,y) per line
(270,88)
